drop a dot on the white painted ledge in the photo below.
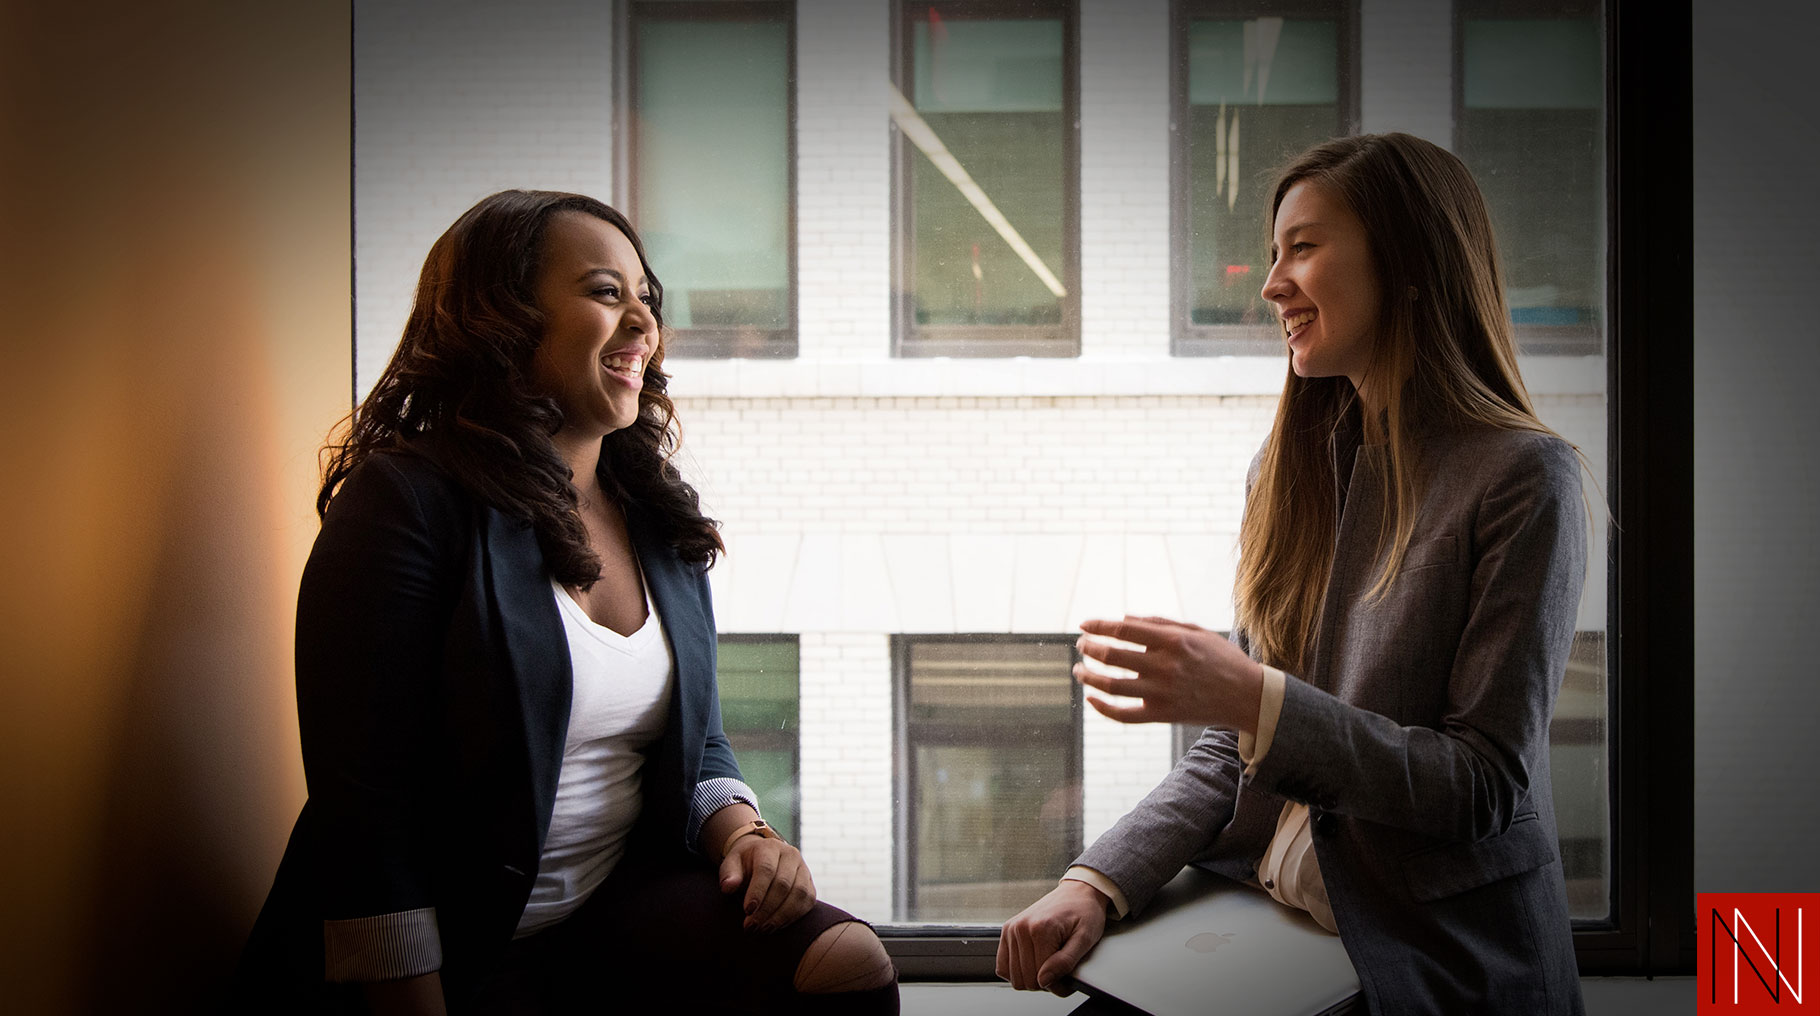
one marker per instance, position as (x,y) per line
(1046,378)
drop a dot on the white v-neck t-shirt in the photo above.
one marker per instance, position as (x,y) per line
(621,699)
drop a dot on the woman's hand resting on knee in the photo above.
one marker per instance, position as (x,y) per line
(778,887)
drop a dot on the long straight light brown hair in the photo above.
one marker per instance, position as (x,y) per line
(1443,358)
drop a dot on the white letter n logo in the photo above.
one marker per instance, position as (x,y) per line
(1773,960)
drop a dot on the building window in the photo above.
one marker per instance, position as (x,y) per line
(1529,122)
(759,676)
(1254,86)
(986,182)
(710,170)
(989,773)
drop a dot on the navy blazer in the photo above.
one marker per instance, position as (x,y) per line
(433,693)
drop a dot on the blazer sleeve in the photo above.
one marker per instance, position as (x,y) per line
(1174,823)
(717,753)
(718,782)
(1469,778)
(372,615)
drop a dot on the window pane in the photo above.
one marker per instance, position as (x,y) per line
(1530,125)
(987,177)
(759,711)
(1531,128)
(1259,92)
(1578,751)
(712,176)
(993,790)
(865,496)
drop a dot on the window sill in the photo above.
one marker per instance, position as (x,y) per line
(947,954)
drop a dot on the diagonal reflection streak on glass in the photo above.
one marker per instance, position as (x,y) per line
(920,134)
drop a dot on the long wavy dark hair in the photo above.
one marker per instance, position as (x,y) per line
(459,389)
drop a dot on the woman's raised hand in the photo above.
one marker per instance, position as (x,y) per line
(1183,673)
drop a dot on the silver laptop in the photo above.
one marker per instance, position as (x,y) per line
(1209,945)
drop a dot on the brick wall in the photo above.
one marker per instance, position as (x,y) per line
(1124,178)
(453,101)
(846,768)
(843,184)
(863,495)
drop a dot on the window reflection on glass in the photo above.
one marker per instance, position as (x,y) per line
(711,172)
(1578,751)
(986,123)
(758,709)
(1529,123)
(990,792)
(1259,91)
(820,460)
(1530,126)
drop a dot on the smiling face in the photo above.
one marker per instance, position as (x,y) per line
(599,331)
(1323,284)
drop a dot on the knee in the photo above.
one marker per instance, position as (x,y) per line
(846,957)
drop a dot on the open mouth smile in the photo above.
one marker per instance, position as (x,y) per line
(1295,323)
(627,366)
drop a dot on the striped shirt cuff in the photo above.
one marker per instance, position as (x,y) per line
(382,948)
(713,795)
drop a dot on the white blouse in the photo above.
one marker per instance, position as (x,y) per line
(621,699)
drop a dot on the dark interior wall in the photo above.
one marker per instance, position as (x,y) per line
(176,344)
(1757,467)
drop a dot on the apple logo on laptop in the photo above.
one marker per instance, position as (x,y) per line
(1208,941)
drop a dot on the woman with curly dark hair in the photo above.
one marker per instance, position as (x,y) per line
(520,795)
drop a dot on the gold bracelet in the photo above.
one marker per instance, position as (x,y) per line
(757,825)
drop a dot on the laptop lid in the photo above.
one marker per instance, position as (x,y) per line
(1209,945)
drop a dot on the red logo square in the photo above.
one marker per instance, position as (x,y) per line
(1753,951)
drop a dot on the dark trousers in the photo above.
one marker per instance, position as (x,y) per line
(655,937)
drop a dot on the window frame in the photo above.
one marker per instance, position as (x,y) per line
(1533,339)
(710,342)
(1649,362)
(1059,341)
(1185,337)
(932,949)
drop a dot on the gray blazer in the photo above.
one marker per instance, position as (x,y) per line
(1418,738)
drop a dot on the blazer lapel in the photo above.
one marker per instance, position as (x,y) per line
(676,591)
(1356,469)
(536,652)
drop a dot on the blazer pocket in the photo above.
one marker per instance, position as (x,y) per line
(1440,550)
(1451,868)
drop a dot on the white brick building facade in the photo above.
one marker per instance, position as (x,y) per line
(863,495)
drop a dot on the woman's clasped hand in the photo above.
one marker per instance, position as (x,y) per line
(778,889)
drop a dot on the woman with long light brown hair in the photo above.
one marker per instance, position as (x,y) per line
(1411,562)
